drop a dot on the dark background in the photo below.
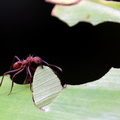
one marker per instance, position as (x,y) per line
(84,52)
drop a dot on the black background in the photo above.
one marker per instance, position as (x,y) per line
(84,52)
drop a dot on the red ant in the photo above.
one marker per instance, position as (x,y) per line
(27,65)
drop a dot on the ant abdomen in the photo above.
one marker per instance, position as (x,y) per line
(17,64)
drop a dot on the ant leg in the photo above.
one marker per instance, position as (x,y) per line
(25,81)
(13,79)
(52,65)
(17,58)
(8,73)
(28,75)
(29,72)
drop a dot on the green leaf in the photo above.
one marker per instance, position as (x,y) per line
(46,86)
(92,11)
(63,2)
(98,100)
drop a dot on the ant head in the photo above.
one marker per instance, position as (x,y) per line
(17,64)
(37,60)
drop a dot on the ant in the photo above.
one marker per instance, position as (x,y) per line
(28,65)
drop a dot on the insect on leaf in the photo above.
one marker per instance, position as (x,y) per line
(46,86)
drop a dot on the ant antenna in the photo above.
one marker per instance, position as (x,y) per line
(52,65)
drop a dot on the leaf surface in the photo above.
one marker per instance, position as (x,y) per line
(98,100)
(46,86)
(92,11)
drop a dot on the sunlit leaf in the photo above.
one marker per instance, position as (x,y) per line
(63,2)
(92,11)
(46,86)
